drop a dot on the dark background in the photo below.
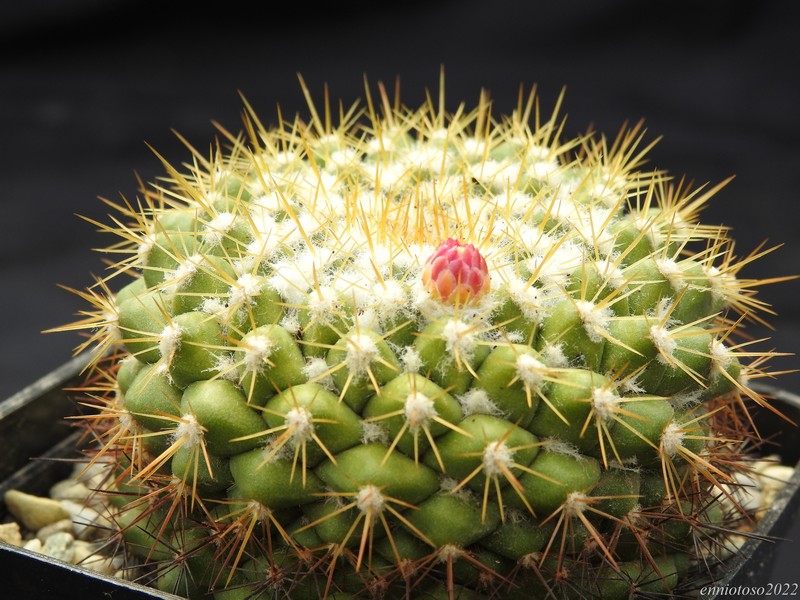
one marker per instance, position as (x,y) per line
(87,85)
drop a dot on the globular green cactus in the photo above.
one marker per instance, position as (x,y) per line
(421,354)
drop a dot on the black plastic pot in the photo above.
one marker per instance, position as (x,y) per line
(37,445)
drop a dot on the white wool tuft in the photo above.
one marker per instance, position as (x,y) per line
(477,402)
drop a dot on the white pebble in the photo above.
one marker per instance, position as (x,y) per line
(92,476)
(34,545)
(69,489)
(747,492)
(86,522)
(86,555)
(774,478)
(62,526)
(99,563)
(758,466)
(83,551)
(775,475)
(60,546)
(34,512)
(10,534)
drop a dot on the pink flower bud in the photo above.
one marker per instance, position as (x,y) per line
(456,273)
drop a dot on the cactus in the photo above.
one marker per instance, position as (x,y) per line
(421,354)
